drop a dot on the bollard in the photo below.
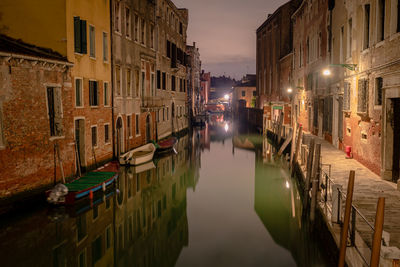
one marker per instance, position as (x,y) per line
(377,240)
(346,220)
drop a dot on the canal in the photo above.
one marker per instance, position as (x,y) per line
(222,200)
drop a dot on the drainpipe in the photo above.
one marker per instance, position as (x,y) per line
(112,79)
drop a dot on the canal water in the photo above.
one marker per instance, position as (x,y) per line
(222,200)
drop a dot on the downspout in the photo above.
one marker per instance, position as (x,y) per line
(112,79)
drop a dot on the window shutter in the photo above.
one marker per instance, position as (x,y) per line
(58,127)
(83,37)
(77,34)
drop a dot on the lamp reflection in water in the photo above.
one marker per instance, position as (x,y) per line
(226,127)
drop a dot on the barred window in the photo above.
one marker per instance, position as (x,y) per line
(54,107)
(378,91)
(362,96)
(346,96)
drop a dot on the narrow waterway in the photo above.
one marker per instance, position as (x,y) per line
(220,201)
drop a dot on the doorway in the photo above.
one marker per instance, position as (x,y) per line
(396,139)
(80,142)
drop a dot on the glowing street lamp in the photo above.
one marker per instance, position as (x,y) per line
(226,97)
(290,90)
(326,72)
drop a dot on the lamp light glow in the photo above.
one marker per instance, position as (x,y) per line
(326,72)
(289,90)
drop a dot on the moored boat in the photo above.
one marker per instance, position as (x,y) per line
(166,145)
(82,187)
(138,155)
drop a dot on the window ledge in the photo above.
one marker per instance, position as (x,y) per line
(95,107)
(118,33)
(79,107)
(380,43)
(377,107)
(394,36)
(365,51)
(92,58)
(108,143)
(53,138)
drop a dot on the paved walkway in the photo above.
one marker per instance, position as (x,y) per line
(368,188)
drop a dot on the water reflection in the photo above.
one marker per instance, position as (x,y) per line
(204,206)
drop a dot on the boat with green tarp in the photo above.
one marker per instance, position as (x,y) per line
(82,187)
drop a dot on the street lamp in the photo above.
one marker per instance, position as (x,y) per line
(326,72)
(226,97)
(289,90)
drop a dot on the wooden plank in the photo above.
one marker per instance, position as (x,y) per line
(285,144)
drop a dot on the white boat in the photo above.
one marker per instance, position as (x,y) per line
(138,155)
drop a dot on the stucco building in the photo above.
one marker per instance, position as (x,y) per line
(194,73)
(172,23)
(245,90)
(205,86)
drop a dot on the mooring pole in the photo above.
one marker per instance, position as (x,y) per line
(310,164)
(298,144)
(377,240)
(346,221)
(293,145)
(315,181)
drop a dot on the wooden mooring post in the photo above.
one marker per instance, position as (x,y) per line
(377,240)
(309,164)
(346,221)
(294,135)
(298,144)
(280,128)
(315,175)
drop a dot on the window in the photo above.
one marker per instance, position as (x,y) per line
(118,80)
(136,28)
(136,83)
(129,125)
(362,96)
(167,113)
(180,85)
(173,83)
(143,33)
(106,133)
(108,237)
(158,79)
(92,41)
(180,28)
(378,91)
(78,93)
(137,124)
(80,38)
(308,49)
(346,96)
(117,12)
(184,85)
(164,81)
(349,38)
(163,114)
(128,22)
(128,82)
(93,93)
(105,46)
(81,227)
(54,106)
(152,84)
(341,44)
(143,84)
(380,20)
(82,259)
(96,250)
(151,36)
(168,52)
(106,94)
(243,93)
(94,136)
(398,16)
(254,93)
(366,26)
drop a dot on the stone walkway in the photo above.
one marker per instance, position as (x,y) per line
(368,188)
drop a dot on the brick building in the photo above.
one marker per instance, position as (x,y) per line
(36,118)
(79,31)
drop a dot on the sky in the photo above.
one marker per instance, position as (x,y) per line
(225,32)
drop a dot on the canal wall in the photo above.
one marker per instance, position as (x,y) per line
(252,117)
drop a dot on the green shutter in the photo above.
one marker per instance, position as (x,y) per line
(77,34)
(83,37)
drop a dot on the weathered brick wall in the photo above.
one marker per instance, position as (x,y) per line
(27,162)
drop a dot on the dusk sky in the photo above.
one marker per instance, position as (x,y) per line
(225,32)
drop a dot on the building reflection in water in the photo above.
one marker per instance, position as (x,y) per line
(144,224)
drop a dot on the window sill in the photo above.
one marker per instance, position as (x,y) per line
(95,107)
(138,135)
(106,62)
(79,107)
(128,38)
(107,106)
(92,58)
(107,143)
(54,138)
(377,107)
(394,36)
(118,33)
(365,51)
(380,43)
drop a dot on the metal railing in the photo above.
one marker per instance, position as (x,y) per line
(358,221)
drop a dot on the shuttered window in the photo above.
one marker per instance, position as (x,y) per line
(94,136)
(80,36)
(55,110)
(92,41)
(93,93)
(378,91)
(346,96)
(106,133)
(164,82)
(158,79)
(362,106)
